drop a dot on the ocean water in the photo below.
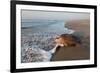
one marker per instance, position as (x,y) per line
(47,26)
(38,36)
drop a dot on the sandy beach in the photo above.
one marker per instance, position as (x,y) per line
(81,52)
(72,53)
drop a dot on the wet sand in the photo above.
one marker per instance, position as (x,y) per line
(71,53)
(80,26)
(81,52)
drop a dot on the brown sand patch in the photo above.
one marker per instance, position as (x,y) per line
(80,52)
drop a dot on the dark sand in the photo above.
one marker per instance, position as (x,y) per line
(80,26)
(81,52)
(71,53)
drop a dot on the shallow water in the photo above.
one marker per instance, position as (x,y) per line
(40,35)
(48,26)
